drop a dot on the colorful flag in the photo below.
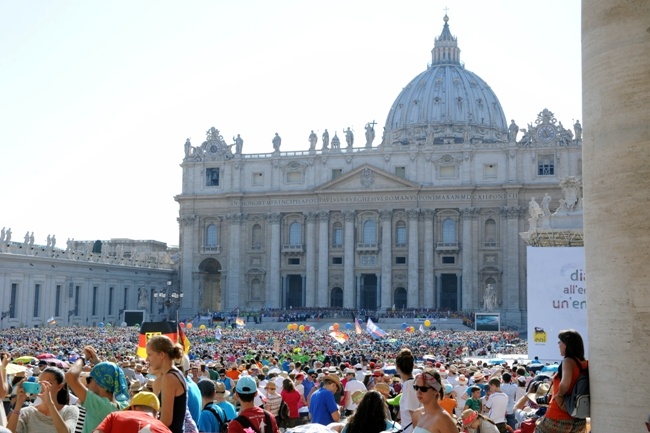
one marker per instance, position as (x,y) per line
(422,329)
(374,330)
(183,340)
(357,326)
(217,333)
(339,336)
(51,320)
(240,322)
(151,329)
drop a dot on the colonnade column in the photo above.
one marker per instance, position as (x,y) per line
(468,246)
(310,257)
(510,285)
(615,93)
(234,260)
(385,216)
(413,292)
(188,243)
(322,290)
(429,301)
(348,262)
(274,276)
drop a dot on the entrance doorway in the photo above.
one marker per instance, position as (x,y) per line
(449,292)
(368,298)
(294,291)
(210,286)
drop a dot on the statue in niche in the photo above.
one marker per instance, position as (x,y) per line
(489,298)
(545,202)
(277,141)
(313,139)
(349,137)
(370,133)
(513,130)
(143,298)
(326,140)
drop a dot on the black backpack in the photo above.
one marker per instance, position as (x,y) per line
(223,423)
(577,402)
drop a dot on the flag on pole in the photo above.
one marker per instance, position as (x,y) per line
(51,320)
(217,334)
(151,329)
(421,329)
(339,336)
(357,326)
(182,339)
(374,330)
(240,322)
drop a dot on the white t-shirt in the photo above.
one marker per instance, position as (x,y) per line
(408,402)
(351,387)
(498,405)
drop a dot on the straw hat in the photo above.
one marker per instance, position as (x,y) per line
(542,389)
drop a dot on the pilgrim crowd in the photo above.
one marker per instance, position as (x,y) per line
(240,380)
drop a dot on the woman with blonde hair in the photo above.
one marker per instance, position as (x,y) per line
(431,418)
(170,385)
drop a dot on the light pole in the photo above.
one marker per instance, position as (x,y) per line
(169,299)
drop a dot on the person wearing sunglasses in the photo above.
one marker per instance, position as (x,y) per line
(431,417)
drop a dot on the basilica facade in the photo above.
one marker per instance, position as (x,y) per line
(428,214)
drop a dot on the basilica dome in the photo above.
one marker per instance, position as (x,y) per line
(445,104)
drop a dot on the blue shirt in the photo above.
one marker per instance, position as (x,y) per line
(208,422)
(321,407)
(229,409)
(193,399)
(308,384)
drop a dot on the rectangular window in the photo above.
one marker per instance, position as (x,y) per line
(447,172)
(400,260)
(400,236)
(77,294)
(336,173)
(546,166)
(212,177)
(448,260)
(94,309)
(337,237)
(258,179)
(294,177)
(57,301)
(401,172)
(337,260)
(37,296)
(294,261)
(490,171)
(110,300)
(12,302)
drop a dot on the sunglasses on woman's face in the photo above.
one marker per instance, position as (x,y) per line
(422,388)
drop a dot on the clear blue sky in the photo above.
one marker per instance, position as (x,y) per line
(97,98)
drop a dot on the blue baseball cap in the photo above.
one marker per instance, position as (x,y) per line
(246,385)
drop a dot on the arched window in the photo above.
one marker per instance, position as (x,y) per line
(449,231)
(211,236)
(369,232)
(490,232)
(400,233)
(337,235)
(256,237)
(295,233)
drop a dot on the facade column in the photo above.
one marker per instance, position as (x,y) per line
(188,228)
(413,292)
(386,216)
(615,93)
(310,256)
(510,285)
(235,287)
(470,287)
(274,299)
(429,263)
(348,261)
(321,298)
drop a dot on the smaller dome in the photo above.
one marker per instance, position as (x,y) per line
(446,103)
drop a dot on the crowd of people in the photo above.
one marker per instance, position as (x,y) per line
(271,381)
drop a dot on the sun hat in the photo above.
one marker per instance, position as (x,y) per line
(542,389)
(145,398)
(395,400)
(469,416)
(462,379)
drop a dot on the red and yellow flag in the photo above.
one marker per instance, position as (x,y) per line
(151,329)
(182,338)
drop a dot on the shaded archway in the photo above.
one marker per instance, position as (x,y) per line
(210,296)
(400,298)
(336,297)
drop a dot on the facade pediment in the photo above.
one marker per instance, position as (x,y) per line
(366,177)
